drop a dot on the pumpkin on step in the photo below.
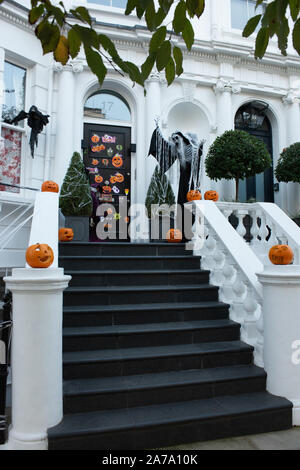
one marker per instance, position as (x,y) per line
(174,235)
(65,234)
(211,196)
(281,254)
(50,187)
(39,255)
(193,195)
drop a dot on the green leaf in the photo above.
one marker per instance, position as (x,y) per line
(159,17)
(74,43)
(188,35)
(147,66)
(261,44)
(296,36)
(133,72)
(95,63)
(84,14)
(251,26)
(131,5)
(61,53)
(157,39)
(88,36)
(170,71)
(179,19)
(35,13)
(177,53)
(294,8)
(282,35)
(195,7)
(163,55)
(108,45)
(270,14)
(150,17)
(49,35)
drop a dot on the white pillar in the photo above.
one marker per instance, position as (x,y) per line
(281,300)
(64,122)
(153,111)
(36,355)
(225,122)
(292,132)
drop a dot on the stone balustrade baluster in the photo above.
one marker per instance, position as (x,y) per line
(254,229)
(250,308)
(229,274)
(259,347)
(239,293)
(240,214)
(219,258)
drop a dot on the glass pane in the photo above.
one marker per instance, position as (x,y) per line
(100,2)
(260,188)
(119,3)
(14,91)
(242,191)
(10,159)
(239,14)
(107,106)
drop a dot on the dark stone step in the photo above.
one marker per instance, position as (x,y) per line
(84,395)
(123,249)
(91,315)
(138,294)
(156,334)
(128,263)
(138,278)
(132,361)
(154,426)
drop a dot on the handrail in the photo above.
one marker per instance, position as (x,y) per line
(18,186)
(233,267)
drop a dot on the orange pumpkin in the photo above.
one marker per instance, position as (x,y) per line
(39,255)
(117,161)
(106,189)
(50,187)
(95,138)
(193,195)
(119,177)
(211,196)
(174,235)
(281,254)
(65,234)
(113,179)
(95,161)
(98,179)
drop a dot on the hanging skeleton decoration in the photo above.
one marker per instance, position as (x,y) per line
(187,150)
(36,120)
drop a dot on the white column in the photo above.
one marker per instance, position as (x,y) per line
(292,131)
(153,111)
(281,300)
(36,355)
(64,122)
(225,121)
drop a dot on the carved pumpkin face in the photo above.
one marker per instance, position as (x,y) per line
(39,255)
(50,187)
(98,179)
(113,179)
(95,138)
(117,161)
(119,177)
(174,235)
(106,189)
(211,196)
(281,254)
(95,161)
(65,234)
(193,195)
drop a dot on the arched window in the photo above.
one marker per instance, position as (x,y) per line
(107,105)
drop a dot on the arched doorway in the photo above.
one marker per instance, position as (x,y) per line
(107,158)
(252,118)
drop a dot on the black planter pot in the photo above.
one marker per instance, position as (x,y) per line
(80,226)
(160,226)
(297,221)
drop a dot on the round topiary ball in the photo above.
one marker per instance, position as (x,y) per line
(288,165)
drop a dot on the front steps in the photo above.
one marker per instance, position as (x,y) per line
(151,358)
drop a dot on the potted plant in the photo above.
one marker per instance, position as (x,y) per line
(288,171)
(75,199)
(236,155)
(159,193)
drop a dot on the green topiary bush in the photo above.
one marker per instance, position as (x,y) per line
(75,196)
(288,165)
(236,155)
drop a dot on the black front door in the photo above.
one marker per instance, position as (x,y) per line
(107,160)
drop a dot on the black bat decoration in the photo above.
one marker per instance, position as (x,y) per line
(36,120)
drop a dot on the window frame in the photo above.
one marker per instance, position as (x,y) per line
(8,195)
(234,29)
